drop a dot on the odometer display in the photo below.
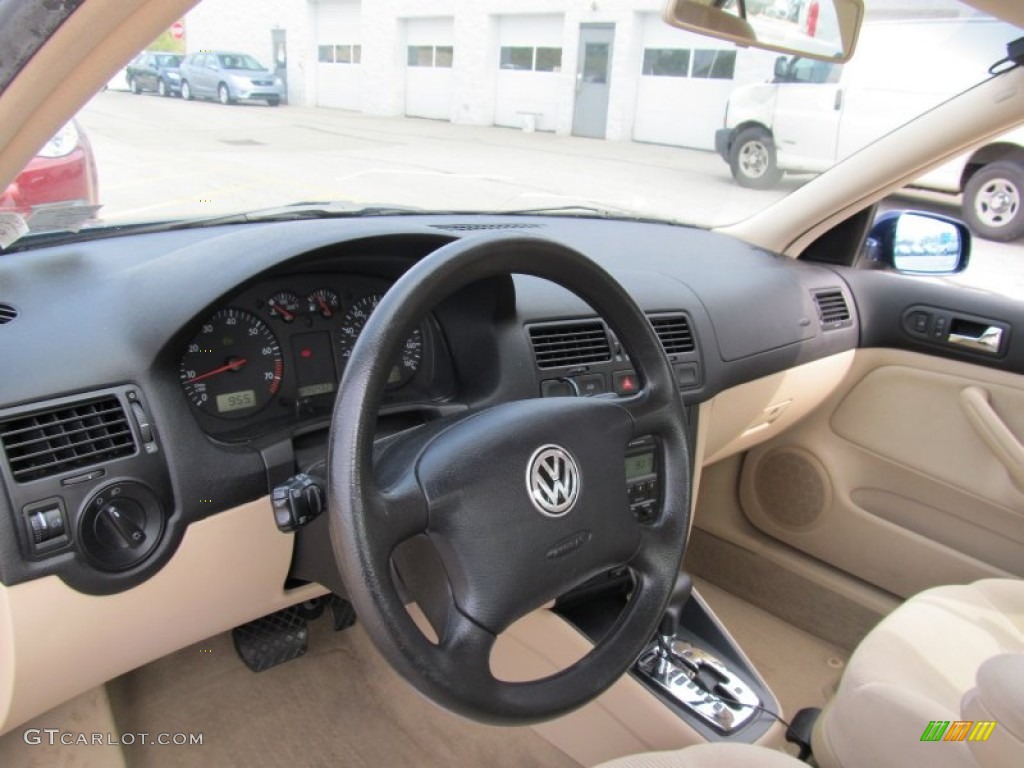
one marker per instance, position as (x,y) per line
(233,367)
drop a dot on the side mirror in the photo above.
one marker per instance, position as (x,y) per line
(821,29)
(919,243)
(782,69)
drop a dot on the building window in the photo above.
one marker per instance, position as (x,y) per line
(548,60)
(430,56)
(339,54)
(666,62)
(714,65)
(526,58)
(516,58)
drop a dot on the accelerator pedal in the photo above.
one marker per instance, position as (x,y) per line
(284,635)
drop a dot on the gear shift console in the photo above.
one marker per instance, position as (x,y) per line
(692,677)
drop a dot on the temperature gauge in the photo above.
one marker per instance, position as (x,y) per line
(323,302)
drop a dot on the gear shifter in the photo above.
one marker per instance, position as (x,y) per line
(669,626)
(694,678)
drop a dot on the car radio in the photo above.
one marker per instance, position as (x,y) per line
(642,478)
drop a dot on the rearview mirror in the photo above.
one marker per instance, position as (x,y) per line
(920,243)
(816,29)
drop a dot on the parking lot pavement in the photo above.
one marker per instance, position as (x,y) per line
(158,158)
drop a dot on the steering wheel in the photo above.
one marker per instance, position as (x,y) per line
(501,509)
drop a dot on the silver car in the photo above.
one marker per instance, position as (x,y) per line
(229,78)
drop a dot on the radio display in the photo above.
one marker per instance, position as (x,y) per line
(639,465)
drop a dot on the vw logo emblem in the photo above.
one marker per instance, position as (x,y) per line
(552,480)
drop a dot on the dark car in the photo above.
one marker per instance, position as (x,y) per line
(229,77)
(155,71)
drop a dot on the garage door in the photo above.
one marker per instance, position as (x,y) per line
(428,73)
(339,53)
(685,80)
(529,70)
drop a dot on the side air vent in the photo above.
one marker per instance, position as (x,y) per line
(7,313)
(480,227)
(674,332)
(580,343)
(833,311)
(49,442)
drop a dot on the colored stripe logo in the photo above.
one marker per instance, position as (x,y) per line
(958,730)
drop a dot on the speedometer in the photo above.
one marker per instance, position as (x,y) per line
(233,367)
(352,324)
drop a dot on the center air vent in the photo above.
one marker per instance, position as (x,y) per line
(7,313)
(565,344)
(674,333)
(833,311)
(46,443)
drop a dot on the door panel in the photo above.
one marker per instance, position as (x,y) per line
(890,480)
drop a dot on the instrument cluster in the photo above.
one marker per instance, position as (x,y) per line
(275,354)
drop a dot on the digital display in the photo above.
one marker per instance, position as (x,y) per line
(639,465)
(236,401)
(314,364)
(316,389)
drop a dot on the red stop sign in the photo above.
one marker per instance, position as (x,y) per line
(178,30)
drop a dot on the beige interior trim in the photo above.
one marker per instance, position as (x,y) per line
(57,642)
(625,719)
(993,430)
(915,497)
(752,413)
(796,221)
(96,40)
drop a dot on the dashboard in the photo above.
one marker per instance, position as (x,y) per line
(192,371)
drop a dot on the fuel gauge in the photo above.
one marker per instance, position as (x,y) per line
(285,305)
(323,302)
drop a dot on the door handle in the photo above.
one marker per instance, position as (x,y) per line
(838,104)
(993,430)
(987,341)
(579,81)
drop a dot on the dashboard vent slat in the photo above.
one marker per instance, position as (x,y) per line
(49,442)
(566,344)
(833,311)
(7,313)
(674,332)
(473,227)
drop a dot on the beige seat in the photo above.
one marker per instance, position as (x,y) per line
(915,667)
(953,653)
(709,756)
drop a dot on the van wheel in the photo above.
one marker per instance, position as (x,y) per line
(133,86)
(993,202)
(752,159)
(186,90)
(161,88)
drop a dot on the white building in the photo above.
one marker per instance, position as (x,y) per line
(603,68)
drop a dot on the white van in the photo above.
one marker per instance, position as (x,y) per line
(815,113)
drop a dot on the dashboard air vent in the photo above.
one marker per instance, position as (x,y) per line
(7,313)
(579,343)
(674,332)
(833,311)
(49,442)
(470,227)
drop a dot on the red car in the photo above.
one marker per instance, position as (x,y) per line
(64,171)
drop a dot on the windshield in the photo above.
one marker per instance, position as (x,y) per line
(491,108)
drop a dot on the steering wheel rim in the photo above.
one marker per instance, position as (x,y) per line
(418,491)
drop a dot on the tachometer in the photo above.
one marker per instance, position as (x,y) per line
(233,367)
(352,324)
